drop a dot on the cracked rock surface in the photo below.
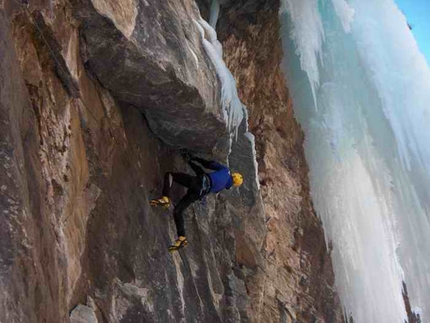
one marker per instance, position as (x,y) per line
(97,97)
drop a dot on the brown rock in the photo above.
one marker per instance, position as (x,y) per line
(298,281)
(79,162)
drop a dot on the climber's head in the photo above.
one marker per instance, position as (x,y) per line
(237,179)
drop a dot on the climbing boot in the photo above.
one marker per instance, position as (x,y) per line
(179,243)
(162,201)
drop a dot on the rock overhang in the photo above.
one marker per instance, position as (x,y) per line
(160,67)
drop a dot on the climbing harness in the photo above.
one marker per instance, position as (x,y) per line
(205,186)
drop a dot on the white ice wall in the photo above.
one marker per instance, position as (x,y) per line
(360,89)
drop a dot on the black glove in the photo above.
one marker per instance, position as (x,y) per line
(186,155)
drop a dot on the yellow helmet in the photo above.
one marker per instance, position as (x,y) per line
(237,179)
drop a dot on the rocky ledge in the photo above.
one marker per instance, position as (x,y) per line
(97,99)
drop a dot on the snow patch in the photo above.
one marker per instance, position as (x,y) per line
(418,311)
(251,139)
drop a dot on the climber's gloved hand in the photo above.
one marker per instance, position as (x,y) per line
(186,155)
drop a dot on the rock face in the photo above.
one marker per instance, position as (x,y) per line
(412,317)
(96,98)
(83,314)
(149,55)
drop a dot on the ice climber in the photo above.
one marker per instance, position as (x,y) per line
(198,187)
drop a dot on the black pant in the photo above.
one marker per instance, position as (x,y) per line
(193,183)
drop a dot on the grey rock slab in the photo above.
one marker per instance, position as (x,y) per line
(83,314)
(160,67)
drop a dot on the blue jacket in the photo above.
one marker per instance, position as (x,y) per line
(220,178)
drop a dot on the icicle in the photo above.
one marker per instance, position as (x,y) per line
(214,13)
(231,105)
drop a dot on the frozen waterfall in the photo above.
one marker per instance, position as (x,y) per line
(361,91)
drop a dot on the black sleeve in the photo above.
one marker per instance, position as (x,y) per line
(197,169)
(209,164)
